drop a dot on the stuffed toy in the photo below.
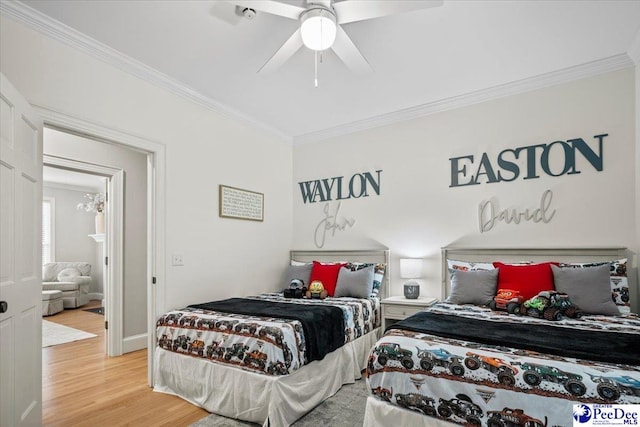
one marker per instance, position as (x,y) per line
(551,305)
(296,289)
(507,300)
(316,290)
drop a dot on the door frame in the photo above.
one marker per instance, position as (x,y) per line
(114,248)
(156,212)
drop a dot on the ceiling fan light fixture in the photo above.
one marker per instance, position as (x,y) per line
(318,28)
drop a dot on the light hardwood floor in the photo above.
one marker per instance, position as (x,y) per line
(81,386)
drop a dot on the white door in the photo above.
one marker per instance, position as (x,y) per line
(20,260)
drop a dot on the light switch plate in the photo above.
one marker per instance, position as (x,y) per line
(177,259)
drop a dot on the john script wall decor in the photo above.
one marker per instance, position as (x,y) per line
(241,204)
(526,162)
(330,223)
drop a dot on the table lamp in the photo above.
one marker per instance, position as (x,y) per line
(411,268)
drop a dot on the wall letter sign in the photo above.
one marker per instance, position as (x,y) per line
(338,188)
(528,162)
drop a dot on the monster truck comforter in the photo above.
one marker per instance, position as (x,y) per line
(268,333)
(475,371)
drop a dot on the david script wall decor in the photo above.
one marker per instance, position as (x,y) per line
(489,215)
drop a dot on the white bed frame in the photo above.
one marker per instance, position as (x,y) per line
(381,256)
(378,413)
(266,399)
(529,254)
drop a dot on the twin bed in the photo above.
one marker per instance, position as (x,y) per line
(455,362)
(466,364)
(269,359)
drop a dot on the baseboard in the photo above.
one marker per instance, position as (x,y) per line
(96,296)
(134,343)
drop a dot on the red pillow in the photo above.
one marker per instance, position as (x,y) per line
(528,279)
(327,274)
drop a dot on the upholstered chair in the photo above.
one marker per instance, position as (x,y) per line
(72,278)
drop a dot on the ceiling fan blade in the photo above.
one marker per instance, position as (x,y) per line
(325,3)
(272,7)
(349,53)
(286,51)
(352,11)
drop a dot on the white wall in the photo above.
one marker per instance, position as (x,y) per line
(72,230)
(223,257)
(417,212)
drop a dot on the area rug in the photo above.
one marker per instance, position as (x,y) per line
(343,409)
(54,334)
(97,310)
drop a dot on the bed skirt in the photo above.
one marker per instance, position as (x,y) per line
(259,398)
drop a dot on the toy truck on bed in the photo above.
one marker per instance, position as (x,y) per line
(507,300)
(550,305)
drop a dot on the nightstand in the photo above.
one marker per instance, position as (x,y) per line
(398,308)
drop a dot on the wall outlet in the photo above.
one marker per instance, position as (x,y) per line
(177,259)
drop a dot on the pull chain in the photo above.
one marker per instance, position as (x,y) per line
(316,53)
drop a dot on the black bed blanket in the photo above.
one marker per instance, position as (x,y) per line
(323,325)
(603,346)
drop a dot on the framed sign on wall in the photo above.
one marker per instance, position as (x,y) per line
(241,204)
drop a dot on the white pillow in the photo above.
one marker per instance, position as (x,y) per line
(68,274)
(455,265)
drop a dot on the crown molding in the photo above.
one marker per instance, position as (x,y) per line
(56,30)
(65,34)
(553,78)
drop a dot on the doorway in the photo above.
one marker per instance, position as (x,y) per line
(155,153)
(69,180)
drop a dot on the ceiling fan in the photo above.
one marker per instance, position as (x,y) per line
(320,25)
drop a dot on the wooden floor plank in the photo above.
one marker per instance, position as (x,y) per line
(81,386)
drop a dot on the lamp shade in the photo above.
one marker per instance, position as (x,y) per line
(410,268)
(318,29)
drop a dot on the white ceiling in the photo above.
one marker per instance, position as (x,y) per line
(422,59)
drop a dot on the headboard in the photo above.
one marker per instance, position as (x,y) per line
(525,254)
(377,256)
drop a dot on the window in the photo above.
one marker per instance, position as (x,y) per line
(48,229)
